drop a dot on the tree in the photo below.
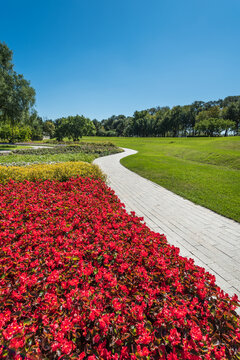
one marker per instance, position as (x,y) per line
(21,133)
(212,112)
(128,127)
(142,123)
(232,112)
(176,119)
(230,99)
(112,126)
(213,126)
(227,125)
(17,97)
(160,124)
(79,126)
(97,125)
(61,128)
(165,124)
(49,128)
(74,127)
(188,120)
(5,132)
(118,124)
(35,123)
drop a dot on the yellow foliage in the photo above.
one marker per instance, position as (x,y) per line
(58,171)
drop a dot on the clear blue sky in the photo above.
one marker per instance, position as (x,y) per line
(105,57)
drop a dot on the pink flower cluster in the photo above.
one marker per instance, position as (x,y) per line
(80,278)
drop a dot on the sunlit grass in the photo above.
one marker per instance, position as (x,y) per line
(203,170)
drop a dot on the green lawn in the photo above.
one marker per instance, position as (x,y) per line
(203,170)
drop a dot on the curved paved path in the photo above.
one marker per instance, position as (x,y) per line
(213,241)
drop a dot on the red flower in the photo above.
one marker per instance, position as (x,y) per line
(116,304)
(16,343)
(96,338)
(82,278)
(12,330)
(174,337)
(82,356)
(196,333)
(67,346)
(172,356)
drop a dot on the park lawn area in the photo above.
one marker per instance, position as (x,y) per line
(203,170)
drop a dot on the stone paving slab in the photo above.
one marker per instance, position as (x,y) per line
(212,240)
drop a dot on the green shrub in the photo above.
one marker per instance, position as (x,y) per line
(18,133)
(5,132)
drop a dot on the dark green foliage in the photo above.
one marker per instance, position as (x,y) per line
(36,124)
(214,126)
(232,112)
(17,97)
(19,133)
(49,128)
(73,127)
(177,122)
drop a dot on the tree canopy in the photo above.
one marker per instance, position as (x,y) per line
(73,127)
(17,97)
(212,118)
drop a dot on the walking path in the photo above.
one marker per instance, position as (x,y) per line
(212,240)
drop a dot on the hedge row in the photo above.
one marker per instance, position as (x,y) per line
(59,171)
(101,149)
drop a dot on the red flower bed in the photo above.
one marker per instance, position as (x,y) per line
(82,279)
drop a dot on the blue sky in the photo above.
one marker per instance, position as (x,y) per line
(105,57)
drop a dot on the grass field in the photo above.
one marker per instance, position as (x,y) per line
(203,170)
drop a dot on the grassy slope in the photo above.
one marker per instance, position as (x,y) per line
(203,170)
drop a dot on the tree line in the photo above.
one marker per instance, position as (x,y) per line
(19,120)
(201,118)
